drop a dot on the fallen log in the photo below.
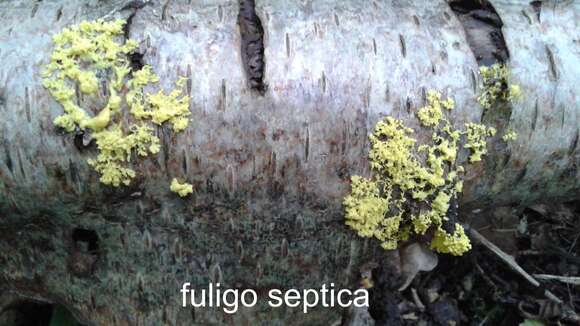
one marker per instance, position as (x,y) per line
(277,129)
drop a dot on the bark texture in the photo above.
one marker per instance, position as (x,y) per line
(274,139)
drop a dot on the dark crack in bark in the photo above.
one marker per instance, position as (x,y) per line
(252,47)
(136,57)
(482,27)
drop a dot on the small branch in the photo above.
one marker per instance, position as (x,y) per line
(575,280)
(511,263)
(417,300)
(567,313)
(505,257)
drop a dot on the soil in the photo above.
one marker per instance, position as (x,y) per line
(480,289)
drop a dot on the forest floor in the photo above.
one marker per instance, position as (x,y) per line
(481,289)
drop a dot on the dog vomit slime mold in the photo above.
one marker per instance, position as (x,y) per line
(92,57)
(412,186)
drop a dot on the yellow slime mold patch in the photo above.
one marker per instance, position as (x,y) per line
(476,135)
(455,244)
(91,56)
(412,185)
(496,86)
(182,189)
(510,136)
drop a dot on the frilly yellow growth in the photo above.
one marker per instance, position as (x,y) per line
(509,136)
(476,140)
(115,149)
(90,54)
(392,153)
(423,221)
(182,189)
(78,49)
(366,212)
(456,244)
(413,185)
(431,115)
(173,108)
(496,86)
(365,207)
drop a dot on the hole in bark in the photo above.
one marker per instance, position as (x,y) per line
(482,27)
(33,313)
(86,241)
(135,58)
(136,61)
(252,47)
(83,140)
(84,254)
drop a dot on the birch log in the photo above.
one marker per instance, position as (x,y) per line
(269,168)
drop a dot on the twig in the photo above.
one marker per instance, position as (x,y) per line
(564,279)
(574,243)
(512,263)
(505,257)
(567,313)
(485,319)
(417,300)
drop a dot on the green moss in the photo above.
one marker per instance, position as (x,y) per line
(412,185)
(90,49)
(496,86)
